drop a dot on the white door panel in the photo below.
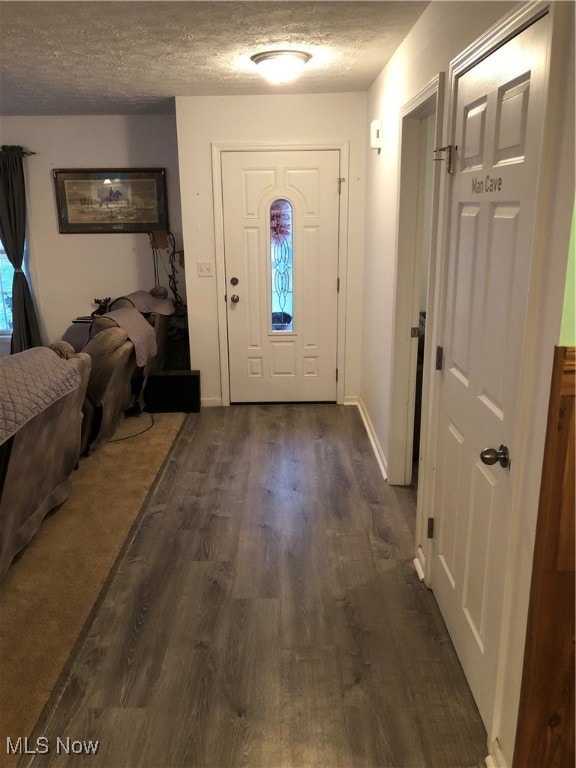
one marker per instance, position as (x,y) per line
(498,117)
(296,363)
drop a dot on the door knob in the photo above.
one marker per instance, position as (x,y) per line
(235,299)
(491,456)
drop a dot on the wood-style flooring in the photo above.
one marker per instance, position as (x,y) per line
(266,614)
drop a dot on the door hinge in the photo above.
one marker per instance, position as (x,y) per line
(430,531)
(450,151)
(341,181)
(414,332)
(336,374)
(439,358)
(337,285)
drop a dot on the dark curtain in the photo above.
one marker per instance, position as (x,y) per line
(25,332)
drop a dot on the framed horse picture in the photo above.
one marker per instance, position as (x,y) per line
(111,200)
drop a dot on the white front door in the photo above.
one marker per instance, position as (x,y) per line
(281,225)
(498,119)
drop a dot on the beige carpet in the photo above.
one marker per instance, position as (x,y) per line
(49,591)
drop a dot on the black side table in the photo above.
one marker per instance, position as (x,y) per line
(173,391)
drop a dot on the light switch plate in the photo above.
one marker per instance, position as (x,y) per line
(205,269)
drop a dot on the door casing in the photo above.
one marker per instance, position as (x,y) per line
(221,288)
(430,101)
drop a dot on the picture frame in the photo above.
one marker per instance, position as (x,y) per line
(111,200)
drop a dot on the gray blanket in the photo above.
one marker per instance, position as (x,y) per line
(31,381)
(145,303)
(139,331)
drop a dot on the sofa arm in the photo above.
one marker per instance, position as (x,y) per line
(37,465)
(105,349)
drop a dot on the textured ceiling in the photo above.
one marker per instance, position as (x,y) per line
(115,57)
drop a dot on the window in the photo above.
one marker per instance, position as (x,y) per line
(281,265)
(6,274)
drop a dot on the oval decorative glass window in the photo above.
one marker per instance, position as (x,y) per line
(281,265)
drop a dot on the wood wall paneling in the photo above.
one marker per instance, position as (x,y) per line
(545,733)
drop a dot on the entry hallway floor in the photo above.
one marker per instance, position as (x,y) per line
(266,613)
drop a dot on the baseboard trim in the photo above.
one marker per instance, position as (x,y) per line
(419,569)
(210,402)
(420,565)
(376,447)
(496,757)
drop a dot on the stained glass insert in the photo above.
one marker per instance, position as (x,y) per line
(281,263)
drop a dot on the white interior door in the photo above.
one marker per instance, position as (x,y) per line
(281,223)
(498,118)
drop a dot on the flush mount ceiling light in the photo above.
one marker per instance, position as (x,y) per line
(280,66)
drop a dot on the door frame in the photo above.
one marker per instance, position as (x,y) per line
(551,229)
(403,367)
(403,386)
(218,149)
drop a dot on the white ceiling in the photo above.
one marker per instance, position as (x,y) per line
(131,57)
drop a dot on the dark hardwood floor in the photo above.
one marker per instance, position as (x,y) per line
(267,614)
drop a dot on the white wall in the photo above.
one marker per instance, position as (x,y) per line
(443,31)
(69,271)
(298,119)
